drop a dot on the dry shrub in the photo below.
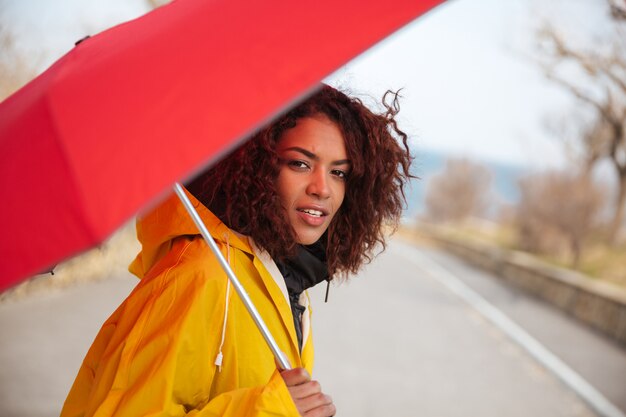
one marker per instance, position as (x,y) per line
(111,259)
(460,191)
(557,212)
(15,68)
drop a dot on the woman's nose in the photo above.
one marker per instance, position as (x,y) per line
(318,185)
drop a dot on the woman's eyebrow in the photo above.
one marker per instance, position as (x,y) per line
(314,157)
(341,162)
(306,153)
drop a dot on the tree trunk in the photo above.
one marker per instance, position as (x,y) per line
(618,217)
(575,249)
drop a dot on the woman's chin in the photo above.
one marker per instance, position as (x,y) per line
(308,238)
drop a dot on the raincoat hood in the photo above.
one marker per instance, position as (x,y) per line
(158,229)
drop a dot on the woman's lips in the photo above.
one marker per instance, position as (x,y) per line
(312,217)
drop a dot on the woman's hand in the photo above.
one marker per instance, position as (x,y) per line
(307,395)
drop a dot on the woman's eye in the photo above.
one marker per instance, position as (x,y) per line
(298,164)
(341,174)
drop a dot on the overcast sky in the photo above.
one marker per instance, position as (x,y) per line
(470,84)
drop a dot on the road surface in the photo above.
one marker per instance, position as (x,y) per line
(394,341)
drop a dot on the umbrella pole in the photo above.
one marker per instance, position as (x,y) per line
(278,354)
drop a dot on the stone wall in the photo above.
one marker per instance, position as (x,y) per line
(599,304)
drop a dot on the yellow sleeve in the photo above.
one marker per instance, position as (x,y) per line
(272,399)
(155,357)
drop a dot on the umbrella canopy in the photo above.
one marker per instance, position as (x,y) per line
(115,122)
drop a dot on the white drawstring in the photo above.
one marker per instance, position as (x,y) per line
(220,356)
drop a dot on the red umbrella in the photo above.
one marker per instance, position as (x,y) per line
(112,124)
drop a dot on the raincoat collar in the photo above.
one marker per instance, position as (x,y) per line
(280,296)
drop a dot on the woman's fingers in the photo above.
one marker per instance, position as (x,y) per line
(295,376)
(307,395)
(317,405)
(323,411)
(305,389)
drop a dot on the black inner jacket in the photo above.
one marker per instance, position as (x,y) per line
(307,269)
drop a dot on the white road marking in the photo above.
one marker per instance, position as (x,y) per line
(540,353)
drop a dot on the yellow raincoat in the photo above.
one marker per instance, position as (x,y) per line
(157,354)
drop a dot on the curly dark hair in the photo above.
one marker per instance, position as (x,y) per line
(241,188)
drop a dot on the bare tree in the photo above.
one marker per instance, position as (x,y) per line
(460,191)
(15,70)
(153,4)
(618,9)
(557,209)
(604,93)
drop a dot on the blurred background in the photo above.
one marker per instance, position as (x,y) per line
(517,117)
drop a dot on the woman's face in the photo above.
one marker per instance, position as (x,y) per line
(312,179)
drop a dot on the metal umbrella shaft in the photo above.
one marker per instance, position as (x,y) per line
(278,354)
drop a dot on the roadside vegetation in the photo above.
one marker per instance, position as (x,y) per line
(575,216)
(599,260)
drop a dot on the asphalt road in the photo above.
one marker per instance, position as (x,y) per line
(394,341)
(397,341)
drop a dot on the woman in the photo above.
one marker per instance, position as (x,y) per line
(303,201)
